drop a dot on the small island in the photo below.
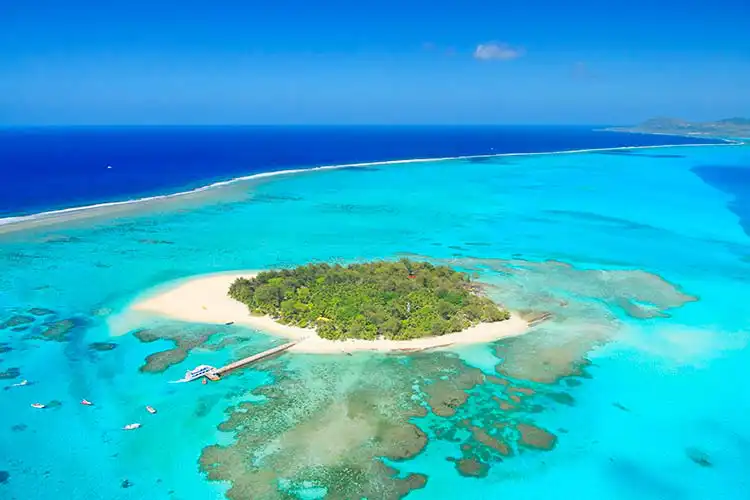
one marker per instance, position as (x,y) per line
(401,300)
(384,306)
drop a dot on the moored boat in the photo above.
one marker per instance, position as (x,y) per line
(38,405)
(130,427)
(86,402)
(151,409)
(197,372)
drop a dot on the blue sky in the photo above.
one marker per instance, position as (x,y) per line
(299,61)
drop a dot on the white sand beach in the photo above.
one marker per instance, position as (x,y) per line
(204,299)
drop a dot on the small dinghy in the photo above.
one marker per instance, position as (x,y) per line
(86,402)
(20,384)
(131,427)
(151,409)
(38,405)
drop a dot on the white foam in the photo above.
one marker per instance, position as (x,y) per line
(56,213)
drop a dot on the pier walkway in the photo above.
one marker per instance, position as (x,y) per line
(212,373)
(255,357)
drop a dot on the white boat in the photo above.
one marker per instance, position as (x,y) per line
(20,384)
(38,405)
(86,402)
(130,427)
(151,409)
(197,372)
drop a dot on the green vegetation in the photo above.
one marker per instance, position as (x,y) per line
(396,300)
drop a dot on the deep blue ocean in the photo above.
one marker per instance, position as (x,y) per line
(53,168)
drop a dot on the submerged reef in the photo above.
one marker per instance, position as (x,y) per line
(184,338)
(16,322)
(10,373)
(325,423)
(102,346)
(59,331)
(41,311)
(160,361)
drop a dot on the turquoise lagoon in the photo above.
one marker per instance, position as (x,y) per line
(635,389)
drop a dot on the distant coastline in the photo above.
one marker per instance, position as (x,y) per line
(727,129)
(41,219)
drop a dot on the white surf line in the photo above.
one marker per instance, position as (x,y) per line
(61,212)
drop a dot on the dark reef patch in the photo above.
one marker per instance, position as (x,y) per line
(4,476)
(350,208)
(470,467)
(17,321)
(146,336)
(41,311)
(19,427)
(699,457)
(147,241)
(184,339)
(535,437)
(615,152)
(102,346)
(4,348)
(621,407)
(274,198)
(59,331)
(10,373)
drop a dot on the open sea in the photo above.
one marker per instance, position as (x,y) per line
(635,388)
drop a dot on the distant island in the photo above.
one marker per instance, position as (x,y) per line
(729,127)
(401,300)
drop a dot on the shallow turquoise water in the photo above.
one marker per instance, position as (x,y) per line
(680,378)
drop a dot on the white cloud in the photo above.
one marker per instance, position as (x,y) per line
(494,51)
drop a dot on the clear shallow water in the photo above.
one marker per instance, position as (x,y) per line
(659,412)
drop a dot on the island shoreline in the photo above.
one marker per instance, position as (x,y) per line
(204,299)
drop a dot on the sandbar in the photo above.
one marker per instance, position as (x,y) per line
(204,299)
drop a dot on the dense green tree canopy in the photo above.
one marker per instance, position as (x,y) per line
(395,300)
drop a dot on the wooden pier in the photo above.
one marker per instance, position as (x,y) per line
(217,373)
